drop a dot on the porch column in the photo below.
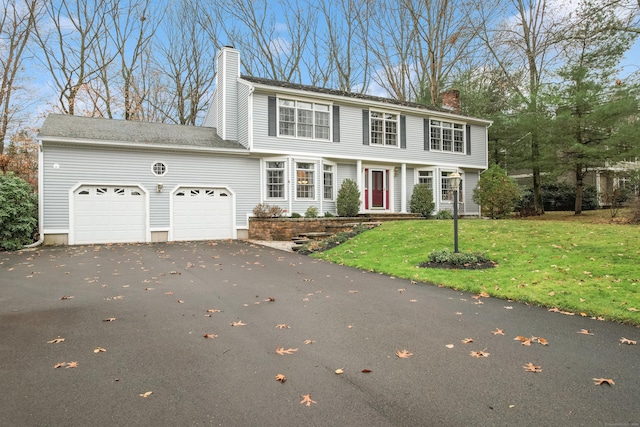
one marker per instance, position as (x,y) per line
(403,188)
(360,183)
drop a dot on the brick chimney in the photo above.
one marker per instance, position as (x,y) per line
(451,100)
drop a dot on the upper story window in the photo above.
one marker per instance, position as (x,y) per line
(447,136)
(304,119)
(384,128)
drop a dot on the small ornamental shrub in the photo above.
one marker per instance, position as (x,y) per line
(348,201)
(312,212)
(422,200)
(497,193)
(443,214)
(296,215)
(457,258)
(264,210)
(328,215)
(18,213)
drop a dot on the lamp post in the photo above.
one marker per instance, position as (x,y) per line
(454,180)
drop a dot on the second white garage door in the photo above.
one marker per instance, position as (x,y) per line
(202,214)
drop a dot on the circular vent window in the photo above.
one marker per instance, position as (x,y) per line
(159,169)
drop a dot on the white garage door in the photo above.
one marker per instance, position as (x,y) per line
(109,214)
(202,214)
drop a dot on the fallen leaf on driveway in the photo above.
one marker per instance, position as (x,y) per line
(498,331)
(481,353)
(281,351)
(306,398)
(146,394)
(99,350)
(309,341)
(270,299)
(109,319)
(72,365)
(283,326)
(600,381)
(467,340)
(339,371)
(238,323)
(403,354)
(213,310)
(281,378)
(366,371)
(584,332)
(623,340)
(525,341)
(169,293)
(353,292)
(180,301)
(59,365)
(64,297)
(530,367)
(210,336)
(449,345)
(59,340)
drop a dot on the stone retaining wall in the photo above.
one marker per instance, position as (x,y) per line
(288,228)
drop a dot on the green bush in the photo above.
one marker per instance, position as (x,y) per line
(328,215)
(296,215)
(348,201)
(443,214)
(497,193)
(560,197)
(18,213)
(422,200)
(457,258)
(312,212)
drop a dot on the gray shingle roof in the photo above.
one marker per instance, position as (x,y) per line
(364,97)
(61,126)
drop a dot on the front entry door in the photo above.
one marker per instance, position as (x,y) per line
(377,189)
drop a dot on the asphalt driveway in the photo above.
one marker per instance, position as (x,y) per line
(162,299)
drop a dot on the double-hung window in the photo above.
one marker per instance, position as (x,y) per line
(275,180)
(426,177)
(446,136)
(384,128)
(328,182)
(304,119)
(305,183)
(447,189)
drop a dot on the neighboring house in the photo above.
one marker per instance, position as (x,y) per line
(262,141)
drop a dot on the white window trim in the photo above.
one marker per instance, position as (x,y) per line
(464,138)
(416,179)
(265,195)
(309,100)
(295,180)
(334,177)
(166,168)
(398,136)
(460,191)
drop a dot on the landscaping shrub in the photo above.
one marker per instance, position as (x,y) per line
(457,258)
(422,200)
(328,215)
(348,201)
(264,210)
(18,213)
(559,197)
(497,193)
(296,215)
(443,214)
(312,212)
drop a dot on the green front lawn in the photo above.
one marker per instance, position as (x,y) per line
(584,268)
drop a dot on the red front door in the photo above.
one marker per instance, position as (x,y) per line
(377,189)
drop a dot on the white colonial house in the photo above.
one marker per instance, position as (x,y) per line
(262,141)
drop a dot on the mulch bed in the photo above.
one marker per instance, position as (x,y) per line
(451,266)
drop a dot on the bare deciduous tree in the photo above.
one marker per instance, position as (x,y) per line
(16,25)
(71,38)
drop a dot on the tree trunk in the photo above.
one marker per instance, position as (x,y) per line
(579,189)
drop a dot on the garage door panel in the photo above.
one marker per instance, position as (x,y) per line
(109,214)
(202,214)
